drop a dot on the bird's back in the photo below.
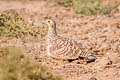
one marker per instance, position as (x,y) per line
(65,48)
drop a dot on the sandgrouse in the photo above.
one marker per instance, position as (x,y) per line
(64,48)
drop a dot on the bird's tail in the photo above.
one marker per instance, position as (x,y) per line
(91,58)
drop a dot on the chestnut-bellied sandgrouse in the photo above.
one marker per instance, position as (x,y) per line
(64,48)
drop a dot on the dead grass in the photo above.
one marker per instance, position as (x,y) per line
(16,66)
(13,25)
(89,7)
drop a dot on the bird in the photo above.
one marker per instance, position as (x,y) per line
(59,47)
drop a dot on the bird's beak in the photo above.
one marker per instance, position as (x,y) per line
(43,22)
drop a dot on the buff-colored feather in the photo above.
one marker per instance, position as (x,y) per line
(64,48)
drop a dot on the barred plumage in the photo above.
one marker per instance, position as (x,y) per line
(64,48)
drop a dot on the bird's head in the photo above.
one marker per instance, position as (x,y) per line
(50,23)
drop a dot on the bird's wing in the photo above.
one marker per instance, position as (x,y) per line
(66,49)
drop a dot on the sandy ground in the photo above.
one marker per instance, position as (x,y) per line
(100,34)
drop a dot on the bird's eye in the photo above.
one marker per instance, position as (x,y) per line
(48,21)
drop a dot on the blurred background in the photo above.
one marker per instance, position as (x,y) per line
(94,23)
